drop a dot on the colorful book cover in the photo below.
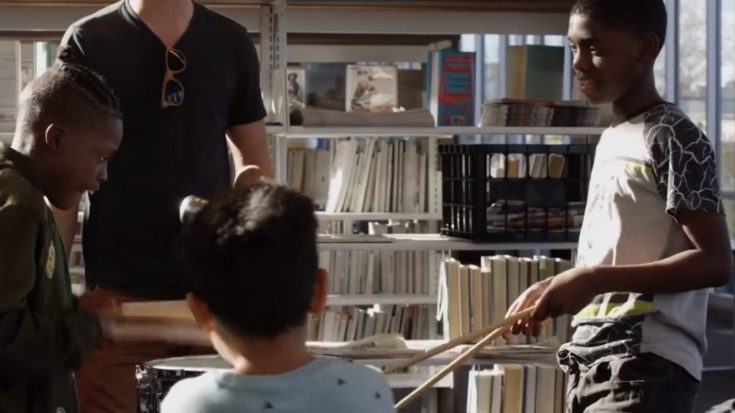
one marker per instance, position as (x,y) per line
(451,85)
(326,83)
(371,88)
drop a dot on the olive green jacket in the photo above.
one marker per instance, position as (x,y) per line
(42,337)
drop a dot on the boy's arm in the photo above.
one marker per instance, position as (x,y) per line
(685,173)
(707,264)
(33,341)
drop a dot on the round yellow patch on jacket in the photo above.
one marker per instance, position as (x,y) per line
(51,261)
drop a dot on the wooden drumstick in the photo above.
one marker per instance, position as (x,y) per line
(154,329)
(461,340)
(500,329)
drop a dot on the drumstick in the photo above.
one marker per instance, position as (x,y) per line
(460,340)
(156,329)
(501,327)
(178,310)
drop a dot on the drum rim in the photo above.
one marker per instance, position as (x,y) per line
(160,364)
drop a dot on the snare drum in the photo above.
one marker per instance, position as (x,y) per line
(156,377)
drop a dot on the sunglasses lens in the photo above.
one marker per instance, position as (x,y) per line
(175,60)
(173,93)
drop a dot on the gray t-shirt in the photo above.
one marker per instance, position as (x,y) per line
(324,385)
(646,170)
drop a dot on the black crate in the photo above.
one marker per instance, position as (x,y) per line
(538,201)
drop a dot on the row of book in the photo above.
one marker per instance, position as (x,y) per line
(354,323)
(529,112)
(308,173)
(365,175)
(447,90)
(514,388)
(534,85)
(377,272)
(512,216)
(370,88)
(518,165)
(475,297)
(371,175)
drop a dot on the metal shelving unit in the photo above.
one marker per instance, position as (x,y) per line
(437,242)
(273,19)
(370,299)
(300,132)
(378,216)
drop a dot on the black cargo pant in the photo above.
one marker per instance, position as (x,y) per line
(632,384)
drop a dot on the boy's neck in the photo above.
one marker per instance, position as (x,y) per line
(641,95)
(24,146)
(263,356)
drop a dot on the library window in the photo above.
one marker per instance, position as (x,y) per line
(727,100)
(693,60)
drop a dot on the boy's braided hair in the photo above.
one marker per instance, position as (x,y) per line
(67,93)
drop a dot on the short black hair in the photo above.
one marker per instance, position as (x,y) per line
(637,16)
(252,258)
(66,93)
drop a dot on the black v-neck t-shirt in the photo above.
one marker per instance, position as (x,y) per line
(130,239)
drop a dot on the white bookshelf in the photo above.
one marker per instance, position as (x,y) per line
(275,130)
(438,242)
(388,299)
(413,380)
(446,358)
(339,19)
(301,132)
(378,216)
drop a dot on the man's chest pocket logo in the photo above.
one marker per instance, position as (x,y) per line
(51,262)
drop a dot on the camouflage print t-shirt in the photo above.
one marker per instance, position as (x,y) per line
(646,170)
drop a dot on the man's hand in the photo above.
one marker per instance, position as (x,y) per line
(98,304)
(106,308)
(567,293)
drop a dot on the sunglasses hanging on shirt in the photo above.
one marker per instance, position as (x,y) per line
(172,94)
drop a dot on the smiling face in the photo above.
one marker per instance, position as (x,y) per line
(78,157)
(609,63)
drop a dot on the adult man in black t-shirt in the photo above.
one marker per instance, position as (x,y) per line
(186,77)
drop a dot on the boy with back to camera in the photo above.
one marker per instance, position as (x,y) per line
(254,279)
(654,237)
(69,125)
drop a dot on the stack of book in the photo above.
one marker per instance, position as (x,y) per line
(514,388)
(475,297)
(365,175)
(517,112)
(575,114)
(355,323)
(529,112)
(376,272)
(513,216)
(308,173)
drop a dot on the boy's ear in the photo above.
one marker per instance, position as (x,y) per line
(319,299)
(52,137)
(201,312)
(650,46)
